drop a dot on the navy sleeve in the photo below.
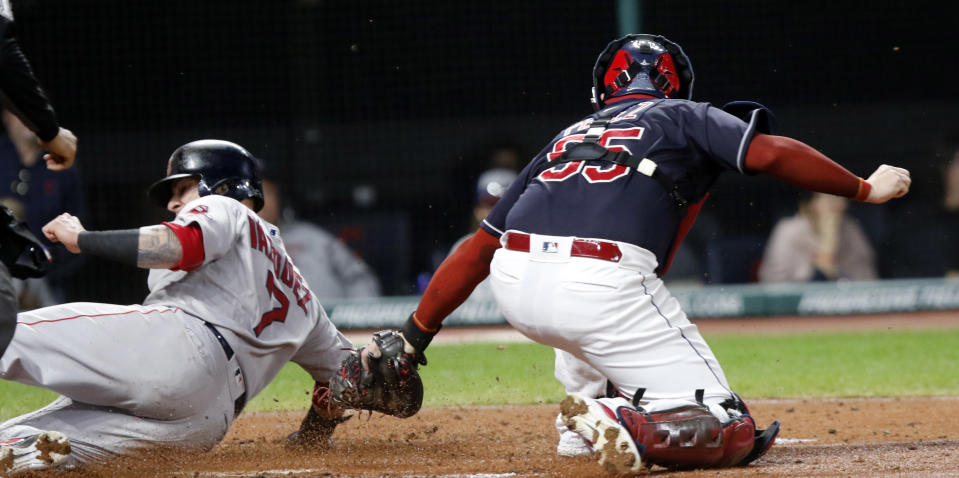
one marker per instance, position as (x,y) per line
(724,137)
(19,90)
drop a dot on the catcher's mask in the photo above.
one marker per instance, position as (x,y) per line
(642,64)
(222,167)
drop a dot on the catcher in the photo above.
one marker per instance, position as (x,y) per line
(576,248)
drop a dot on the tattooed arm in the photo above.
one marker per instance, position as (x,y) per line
(158,248)
(150,247)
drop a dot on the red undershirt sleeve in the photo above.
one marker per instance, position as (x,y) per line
(455,280)
(800,165)
(191,243)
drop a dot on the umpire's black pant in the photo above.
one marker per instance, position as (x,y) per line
(8,308)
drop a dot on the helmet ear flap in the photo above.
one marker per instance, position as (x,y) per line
(599,71)
(203,188)
(681,63)
(684,70)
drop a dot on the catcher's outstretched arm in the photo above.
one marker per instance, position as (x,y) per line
(452,284)
(801,165)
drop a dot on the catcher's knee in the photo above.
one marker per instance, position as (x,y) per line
(685,434)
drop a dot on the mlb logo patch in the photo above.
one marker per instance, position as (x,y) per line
(550,247)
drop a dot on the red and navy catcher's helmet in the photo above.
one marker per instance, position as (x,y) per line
(642,64)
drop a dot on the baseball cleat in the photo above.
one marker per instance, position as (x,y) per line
(570,443)
(573,445)
(44,450)
(315,433)
(598,425)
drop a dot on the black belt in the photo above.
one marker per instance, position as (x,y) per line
(240,401)
(220,338)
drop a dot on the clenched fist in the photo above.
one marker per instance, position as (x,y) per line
(888,182)
(64,229)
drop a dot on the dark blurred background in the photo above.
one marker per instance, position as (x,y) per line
(378,115)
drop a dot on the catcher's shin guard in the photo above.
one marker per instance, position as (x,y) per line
(688,436)
(762,439)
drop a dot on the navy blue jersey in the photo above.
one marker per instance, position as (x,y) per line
(691,143)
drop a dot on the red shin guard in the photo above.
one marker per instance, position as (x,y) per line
(688,437)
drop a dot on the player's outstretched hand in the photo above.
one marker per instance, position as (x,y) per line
(62,150)
(64,229)
(888,182)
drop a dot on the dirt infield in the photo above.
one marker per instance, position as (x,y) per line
(833,437)
(847,437)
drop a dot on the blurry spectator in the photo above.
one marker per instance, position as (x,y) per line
(821,242)
(332,270)
(498,152)
(949,216)
(924,238)
(942,247)
(950,199)
(506,156)
(43,193)
(490,187)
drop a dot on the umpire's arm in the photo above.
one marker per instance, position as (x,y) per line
(20,92)
(22,95)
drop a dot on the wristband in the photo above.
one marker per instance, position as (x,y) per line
(863,191)
(121,246)
(415,335)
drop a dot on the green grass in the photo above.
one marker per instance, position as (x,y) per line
(16,399)
(851,364)
(912,363)
(469,374)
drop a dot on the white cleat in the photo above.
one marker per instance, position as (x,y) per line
(37,452)
(591,419)
(573,445)
(570,443)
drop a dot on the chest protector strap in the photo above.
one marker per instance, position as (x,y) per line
(590,151)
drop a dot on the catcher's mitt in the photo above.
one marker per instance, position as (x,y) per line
(392,386)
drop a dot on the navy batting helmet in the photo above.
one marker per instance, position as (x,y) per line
(223,168)
(642,64)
